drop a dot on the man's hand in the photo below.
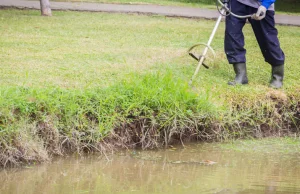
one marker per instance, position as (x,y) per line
(260,14)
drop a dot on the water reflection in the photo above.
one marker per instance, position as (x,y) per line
(167,171)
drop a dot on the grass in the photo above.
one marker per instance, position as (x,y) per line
(93,81)
(283,6)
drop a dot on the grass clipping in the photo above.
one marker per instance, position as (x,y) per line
(147,111)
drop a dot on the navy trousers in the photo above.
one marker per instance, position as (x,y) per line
(264,30)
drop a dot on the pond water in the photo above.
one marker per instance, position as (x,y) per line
(195,168)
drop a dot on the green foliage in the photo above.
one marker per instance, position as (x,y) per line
(140,96)
(288,6)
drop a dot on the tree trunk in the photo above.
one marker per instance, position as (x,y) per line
(45,8)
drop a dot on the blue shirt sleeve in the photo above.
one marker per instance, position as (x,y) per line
(267,3)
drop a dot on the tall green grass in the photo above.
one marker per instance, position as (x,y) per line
(147,95)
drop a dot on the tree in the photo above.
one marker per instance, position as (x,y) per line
(45,8)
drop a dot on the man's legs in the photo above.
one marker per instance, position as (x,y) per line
(234,42)
(266,36)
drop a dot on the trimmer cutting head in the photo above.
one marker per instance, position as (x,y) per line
(193,53)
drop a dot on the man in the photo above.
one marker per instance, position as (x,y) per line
(263,25)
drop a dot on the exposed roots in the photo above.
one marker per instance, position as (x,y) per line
(50,136)
(146,134)
(21,149)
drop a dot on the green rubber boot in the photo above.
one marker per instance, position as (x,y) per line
(277,77)
(241,74)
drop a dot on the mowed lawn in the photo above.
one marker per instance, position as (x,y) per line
(95,50)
